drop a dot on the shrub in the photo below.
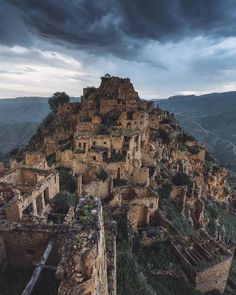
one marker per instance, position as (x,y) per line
(51,159)
(102,130)
(58,98)
(194,150)
(80,151)
(164,136)
(213,212)
(101,174)
(116,157)
(151,171)
(47,120)
(119,182)
(165,190)
(111,118)
(65,146)
(181,178)
(17,154)
(62,202)
(85,214)
(67,180)
(182,137)
(210,158)
(165,121)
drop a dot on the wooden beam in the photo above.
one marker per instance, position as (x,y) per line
(48,266)
(34,278)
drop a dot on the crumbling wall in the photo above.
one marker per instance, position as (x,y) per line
(46,190)
(24,246)
(36,160)
(101,189)
(65,158)
(83,269)
(111,257)
(141,176)
(214,278)
(205,261)
(138,216)
(50,145)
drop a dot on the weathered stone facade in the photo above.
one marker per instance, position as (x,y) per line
(206,262)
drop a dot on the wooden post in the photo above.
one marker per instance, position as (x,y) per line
(33,280)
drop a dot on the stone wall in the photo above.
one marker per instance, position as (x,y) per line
(24,246)
(36,160)
(83,267)
(205,261)
(101,189)
(138,216)
(141,176)
(39,197)
(214,278)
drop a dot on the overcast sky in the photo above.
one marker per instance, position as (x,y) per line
(166,47)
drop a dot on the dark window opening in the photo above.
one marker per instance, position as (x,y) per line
(130,116)
(46,196)
(28,209)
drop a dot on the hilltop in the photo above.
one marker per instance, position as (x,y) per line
(166,220)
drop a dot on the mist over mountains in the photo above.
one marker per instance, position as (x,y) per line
(211,118)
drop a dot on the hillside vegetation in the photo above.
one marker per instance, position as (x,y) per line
(211,119)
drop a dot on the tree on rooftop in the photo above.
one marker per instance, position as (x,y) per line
(62,202)
(58,98)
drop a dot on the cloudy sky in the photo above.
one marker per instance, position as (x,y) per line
(165,47)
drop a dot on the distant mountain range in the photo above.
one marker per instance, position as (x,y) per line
(19,119)
(211,118)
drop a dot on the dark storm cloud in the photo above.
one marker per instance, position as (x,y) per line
(13,30)
(122,26)
(175,19)
(82,23)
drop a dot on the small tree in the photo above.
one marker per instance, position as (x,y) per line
(164,136)
(102,130)
(181,178)
(62,202)
(58,98)
(101,174)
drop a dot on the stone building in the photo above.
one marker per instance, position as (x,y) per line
(206,262)
(27,191)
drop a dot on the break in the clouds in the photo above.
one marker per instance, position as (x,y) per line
(165,47)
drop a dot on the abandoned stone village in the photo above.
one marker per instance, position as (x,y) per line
(111,196)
